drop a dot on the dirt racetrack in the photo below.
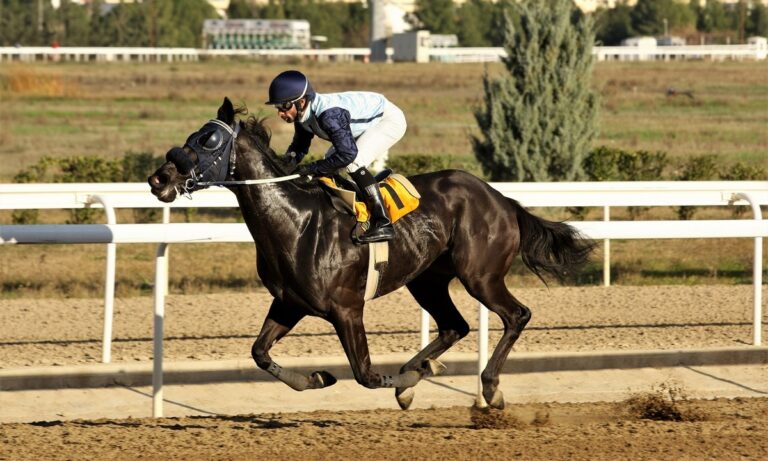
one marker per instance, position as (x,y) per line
(39,332)
(726,430)
(52,332)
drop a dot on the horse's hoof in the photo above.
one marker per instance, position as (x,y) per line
(497,401)
(435,368)
(321,379)
(404,396)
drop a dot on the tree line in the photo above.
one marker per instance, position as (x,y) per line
(481,23)
(713,22)
(151,23)
(178,23)
(164,23)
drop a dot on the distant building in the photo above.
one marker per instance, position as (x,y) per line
(670,41)
(640,42)
(443,40)
(761,43)
(255,34)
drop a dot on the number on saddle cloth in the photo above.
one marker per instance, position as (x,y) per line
(400,197)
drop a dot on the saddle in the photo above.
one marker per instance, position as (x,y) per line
(400,197)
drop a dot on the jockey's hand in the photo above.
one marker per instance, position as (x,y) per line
(303,170)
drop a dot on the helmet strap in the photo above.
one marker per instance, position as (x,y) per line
(299,110)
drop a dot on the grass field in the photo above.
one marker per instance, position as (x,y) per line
(67,109)
(110,109)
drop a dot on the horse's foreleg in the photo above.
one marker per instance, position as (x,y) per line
(280,320)
(351,331)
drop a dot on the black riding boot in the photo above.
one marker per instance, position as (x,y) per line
(380,228)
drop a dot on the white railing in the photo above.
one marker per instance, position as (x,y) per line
(458,54)
(666,53)
(98,54)
(109,196)
(125,54)
(606,195)
(578,194)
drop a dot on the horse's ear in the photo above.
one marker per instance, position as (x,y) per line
(226,112)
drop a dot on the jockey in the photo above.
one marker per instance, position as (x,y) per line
(361,127)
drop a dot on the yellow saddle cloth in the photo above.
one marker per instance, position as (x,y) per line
(400,197)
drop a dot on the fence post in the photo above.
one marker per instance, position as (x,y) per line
(109,283)
(424,329)
(159,314)
(757,273)
(482,351)
(166,220)
(606,251)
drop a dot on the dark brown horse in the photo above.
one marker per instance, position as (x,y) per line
(462,229)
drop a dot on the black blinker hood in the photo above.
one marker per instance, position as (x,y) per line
(214,145)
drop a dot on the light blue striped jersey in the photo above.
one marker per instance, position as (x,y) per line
(365,110)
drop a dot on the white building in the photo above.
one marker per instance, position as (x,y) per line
(254,34)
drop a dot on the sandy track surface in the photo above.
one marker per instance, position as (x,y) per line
(720,429)
(39,332)
(55,332)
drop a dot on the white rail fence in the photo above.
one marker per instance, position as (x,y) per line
(480,54)
(606,195)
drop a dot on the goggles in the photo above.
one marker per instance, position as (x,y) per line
(284,106)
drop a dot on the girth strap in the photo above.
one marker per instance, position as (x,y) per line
(378,256)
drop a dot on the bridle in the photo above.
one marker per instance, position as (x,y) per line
(214,145)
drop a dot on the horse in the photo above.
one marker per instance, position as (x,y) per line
(462,229)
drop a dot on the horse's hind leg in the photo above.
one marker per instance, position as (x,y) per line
(430,289)
(514,315)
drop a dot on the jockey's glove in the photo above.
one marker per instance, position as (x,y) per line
(304,170)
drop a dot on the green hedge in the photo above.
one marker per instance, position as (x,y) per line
(133,167)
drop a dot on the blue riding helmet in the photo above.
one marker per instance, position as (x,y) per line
(289,86)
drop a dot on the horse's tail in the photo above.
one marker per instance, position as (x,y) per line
(552,247)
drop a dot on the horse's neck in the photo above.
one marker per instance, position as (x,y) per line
(274,212)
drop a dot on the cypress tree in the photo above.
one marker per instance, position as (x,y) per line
(539,118)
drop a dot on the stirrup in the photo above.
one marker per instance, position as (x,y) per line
(363,234)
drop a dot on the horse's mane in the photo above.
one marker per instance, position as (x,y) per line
(260,136)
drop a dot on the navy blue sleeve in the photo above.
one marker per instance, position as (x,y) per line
(301,141)
(335,122)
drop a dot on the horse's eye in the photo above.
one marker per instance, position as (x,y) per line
(211,141)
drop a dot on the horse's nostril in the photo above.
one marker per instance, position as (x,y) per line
(158,180)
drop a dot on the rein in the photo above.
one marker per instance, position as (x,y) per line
(248,181)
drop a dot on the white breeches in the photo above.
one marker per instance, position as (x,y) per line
(374,144)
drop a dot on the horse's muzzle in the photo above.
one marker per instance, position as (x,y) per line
(160,186)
